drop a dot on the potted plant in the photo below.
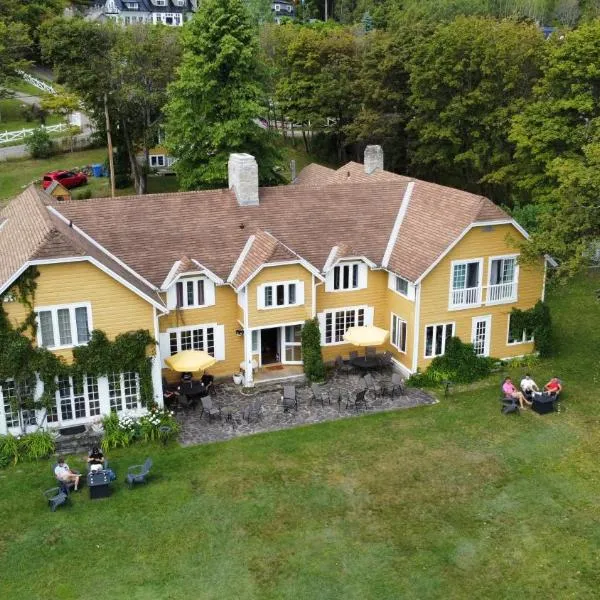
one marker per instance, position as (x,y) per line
(238,378)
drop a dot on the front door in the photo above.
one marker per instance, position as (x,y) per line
(292,344)
(269,346)
(481,335)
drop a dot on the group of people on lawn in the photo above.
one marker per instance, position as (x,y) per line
(64,474)
(529,389)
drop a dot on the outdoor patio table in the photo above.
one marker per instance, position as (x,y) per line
(99,484)
(365,362)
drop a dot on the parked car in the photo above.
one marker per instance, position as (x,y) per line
(67,178)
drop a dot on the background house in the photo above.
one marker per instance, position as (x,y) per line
(167,12)
(283,9)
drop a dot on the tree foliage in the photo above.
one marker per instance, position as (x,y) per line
(214,102)
(314,367)
(467,81)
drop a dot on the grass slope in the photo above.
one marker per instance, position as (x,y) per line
(447,501)
(11,117)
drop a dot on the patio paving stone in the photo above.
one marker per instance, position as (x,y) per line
(200,430)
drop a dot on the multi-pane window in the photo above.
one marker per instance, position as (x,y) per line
(280,294)
(339,321)
(398,338)
(401,285)
(293,343)
(436,337)
(64,326)
(195,338)
(10,398)
(518,337)
(124,391)
(346,276)
(503,280)
(466,283)
(190,293)
(78,397)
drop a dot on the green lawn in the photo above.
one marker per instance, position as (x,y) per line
(453,500)
(12,119)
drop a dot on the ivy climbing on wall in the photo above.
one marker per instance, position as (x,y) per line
(536,320)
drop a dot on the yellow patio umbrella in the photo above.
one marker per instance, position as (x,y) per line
(367,335)
(190,361)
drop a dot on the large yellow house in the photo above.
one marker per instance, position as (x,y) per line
(237,271)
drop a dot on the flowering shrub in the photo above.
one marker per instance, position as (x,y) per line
(121,430)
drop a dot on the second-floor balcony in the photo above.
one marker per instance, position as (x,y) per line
(474,296)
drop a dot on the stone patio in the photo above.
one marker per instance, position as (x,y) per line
(229,397)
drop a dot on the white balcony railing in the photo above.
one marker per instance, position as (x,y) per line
(495,294)
(502,292)
(465,297)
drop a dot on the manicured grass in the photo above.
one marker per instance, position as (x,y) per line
(15,175)
(453,500)
(11,117)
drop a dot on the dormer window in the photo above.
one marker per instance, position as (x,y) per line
(190,293)
(347,276)
(132,5)
(160,2)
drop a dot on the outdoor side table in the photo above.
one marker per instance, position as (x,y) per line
(99,484)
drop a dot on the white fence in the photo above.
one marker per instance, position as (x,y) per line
(38,83)
(13,136)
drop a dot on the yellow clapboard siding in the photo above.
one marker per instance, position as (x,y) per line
(275,316)
(479,243)
(115,309)
(375,295)
(224,312)
(405,309)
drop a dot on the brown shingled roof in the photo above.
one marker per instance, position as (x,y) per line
(314,174)
(150,233)
(264,248)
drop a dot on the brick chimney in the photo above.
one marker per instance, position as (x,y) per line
(373,159)
(243,178)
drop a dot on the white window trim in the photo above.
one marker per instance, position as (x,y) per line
(209,293)
(488,332)
(180,330)
(71,398)
(368,318)
(54,310)
(400,320)
(523,341)
(410,295)
(154,160)
(479,288)
(445,324)
(122,390)
(260,294)
(515,280)
(363,276)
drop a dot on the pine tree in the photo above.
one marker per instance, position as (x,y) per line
(214,103)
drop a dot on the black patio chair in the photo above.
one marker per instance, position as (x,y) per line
(370,352)
(397,385)
(385,361)
(343,367)
(358,402)
(56,496)
(372,385)
(289,399)
(335,395)
(319,394)
(253,412)
(208,408)
(139,473)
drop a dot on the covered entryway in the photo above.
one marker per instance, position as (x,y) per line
(269,345)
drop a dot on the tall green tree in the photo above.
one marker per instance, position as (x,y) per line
(14,45)
(129,66)
(214,103)
(467,81)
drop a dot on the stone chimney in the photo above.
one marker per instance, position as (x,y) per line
(373,159)
(243,178)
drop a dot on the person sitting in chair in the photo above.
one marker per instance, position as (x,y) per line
(186,377)
(528,386)
(511,391)
(64,474)
(554,386)
(95,459)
